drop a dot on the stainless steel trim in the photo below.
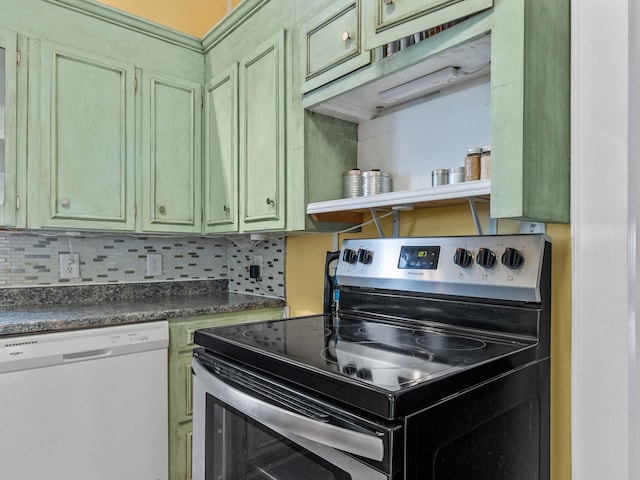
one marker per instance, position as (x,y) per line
(499,282)
(283,421)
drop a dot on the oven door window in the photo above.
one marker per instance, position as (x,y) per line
(239,448)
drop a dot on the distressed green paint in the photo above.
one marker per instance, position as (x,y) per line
(262,136)
(221,152)
(87,142)
(331,148)
(8,142)
(332,44)
(530,95)
(386,23)
(171,154)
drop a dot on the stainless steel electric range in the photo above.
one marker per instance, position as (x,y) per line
(433,363)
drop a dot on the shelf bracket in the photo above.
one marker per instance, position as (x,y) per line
(376,219)
(493,224)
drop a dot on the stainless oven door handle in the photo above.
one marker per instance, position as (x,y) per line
(366,445)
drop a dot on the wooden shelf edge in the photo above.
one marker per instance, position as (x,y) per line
(339,217)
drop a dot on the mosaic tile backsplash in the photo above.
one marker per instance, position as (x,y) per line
(32,259)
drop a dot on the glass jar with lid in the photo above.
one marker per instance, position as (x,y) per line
(472,165)
(485,162)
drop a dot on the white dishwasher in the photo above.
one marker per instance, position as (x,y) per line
(85,404)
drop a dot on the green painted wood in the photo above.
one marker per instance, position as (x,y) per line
(221,152)
(105,31)
(530,109)
(88,139)
(333,44)
(331,148)
(262,136)
(181,344)
(131,22)
(8,128)
(233,22)
(171,158)
(461,33)
(400,18)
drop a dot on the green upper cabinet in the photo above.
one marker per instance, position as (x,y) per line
(386,21)
(171,157)
(530,110)
(9,198)
(262,136)
(221,152)
(88,134)
(512,60)
(333,44)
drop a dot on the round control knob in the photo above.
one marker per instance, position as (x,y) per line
(512,258)
(486,258)
(350,256)
(462,257)
(365,256)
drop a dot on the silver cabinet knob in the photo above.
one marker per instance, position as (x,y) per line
(65,202)
(162,209)
(388,2)
(226,209)
(346,36)
(270,202)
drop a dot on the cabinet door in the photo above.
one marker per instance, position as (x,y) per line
(8,128)
(385,21)
(88,135)
(221,152)
(262,136)
(171,163)
(333,44)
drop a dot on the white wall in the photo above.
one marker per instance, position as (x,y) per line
(604,206)
(435,133)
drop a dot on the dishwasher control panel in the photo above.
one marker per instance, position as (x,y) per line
(46,349)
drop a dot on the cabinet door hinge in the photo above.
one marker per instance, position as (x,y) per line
(135,83)
(201,102)
(17,202)
(18,56)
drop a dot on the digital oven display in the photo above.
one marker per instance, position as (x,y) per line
(419,258)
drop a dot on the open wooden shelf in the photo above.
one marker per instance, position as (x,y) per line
(352,209)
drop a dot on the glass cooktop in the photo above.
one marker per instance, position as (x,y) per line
(384,356)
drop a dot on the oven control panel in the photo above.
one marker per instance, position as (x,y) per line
(497,266)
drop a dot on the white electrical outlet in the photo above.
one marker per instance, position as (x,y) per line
(154,264)
(69,265)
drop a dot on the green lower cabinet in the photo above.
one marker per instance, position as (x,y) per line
(181,332)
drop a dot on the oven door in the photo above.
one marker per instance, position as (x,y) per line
(247,428)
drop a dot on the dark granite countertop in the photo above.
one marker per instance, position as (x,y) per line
(110,309)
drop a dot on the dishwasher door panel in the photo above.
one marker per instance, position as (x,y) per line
(97,419)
